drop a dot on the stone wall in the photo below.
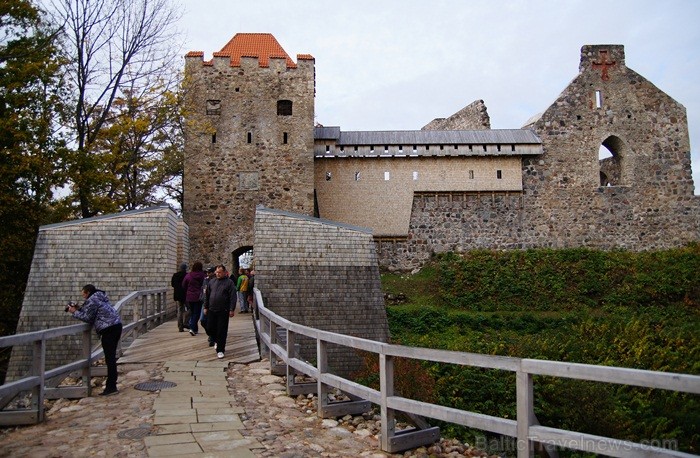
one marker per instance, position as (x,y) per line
(474,116)
(377,193)
(239,152)
(650,203)
(647,204)
(442,222)
(320,274)
(118,253)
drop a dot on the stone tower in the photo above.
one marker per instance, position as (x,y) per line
(249,141)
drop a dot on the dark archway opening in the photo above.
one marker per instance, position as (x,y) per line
(241,257)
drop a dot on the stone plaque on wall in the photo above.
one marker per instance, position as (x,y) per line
(213,107)
(248,181)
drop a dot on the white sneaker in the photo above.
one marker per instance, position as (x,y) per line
(220,355)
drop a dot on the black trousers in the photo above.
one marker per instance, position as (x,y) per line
(110,340)
(217,328)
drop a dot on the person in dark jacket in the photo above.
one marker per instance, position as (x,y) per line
(211,274)
(179,297)
(219,306)
(98,311)
(192,283)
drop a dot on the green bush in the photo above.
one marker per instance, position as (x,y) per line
(637,310)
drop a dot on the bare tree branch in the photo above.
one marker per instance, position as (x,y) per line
(112,45)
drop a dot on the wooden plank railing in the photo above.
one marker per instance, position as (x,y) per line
(146,308)
(524,429)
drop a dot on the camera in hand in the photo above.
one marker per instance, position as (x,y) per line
(70,304)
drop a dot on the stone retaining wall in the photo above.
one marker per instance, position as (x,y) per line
(320,274)
(118,253)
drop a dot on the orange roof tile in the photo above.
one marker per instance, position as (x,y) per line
(261,45)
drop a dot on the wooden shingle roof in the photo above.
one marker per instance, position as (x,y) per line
(418,143)
(438,137)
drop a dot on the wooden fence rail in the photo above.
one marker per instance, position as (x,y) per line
(524,429)
(145,314)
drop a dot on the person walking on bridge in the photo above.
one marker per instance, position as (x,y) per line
(219,306)
(192,284)
(98,311)
(179,297)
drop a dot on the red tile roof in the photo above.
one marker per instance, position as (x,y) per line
(261,45)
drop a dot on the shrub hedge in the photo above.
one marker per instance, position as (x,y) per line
(639,310)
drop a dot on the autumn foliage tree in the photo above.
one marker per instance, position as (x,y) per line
(32,152)
(111,48)
(140,147)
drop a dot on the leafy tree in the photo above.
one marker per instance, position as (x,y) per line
(112,46)
(31,151)
(141,147)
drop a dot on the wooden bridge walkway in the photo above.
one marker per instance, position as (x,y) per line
(166,343)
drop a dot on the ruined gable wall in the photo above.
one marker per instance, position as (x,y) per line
(227,176)
(472,117)
(653,205)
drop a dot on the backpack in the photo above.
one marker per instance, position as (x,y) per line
(244,284)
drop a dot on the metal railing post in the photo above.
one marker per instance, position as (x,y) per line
(386,386)
(144,311)
(160,307)
(291,339)
(87,354)
(322,366)
(525,413)
(273,342)
(38,368)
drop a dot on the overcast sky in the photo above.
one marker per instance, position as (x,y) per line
(397,64)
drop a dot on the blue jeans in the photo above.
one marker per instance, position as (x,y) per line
(195,310)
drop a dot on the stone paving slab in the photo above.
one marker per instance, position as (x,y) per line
(174,429)
(173,404)
(165,439)
(167,412)
(219,410)
(232,419)
(198,417)
(191,449)
(203,427)
(167,420)
(202,403)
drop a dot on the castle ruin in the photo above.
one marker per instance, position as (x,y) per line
(454,185)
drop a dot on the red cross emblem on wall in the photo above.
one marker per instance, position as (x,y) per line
(603,64)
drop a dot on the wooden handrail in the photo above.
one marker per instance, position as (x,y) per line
(146,314)
(525,429)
